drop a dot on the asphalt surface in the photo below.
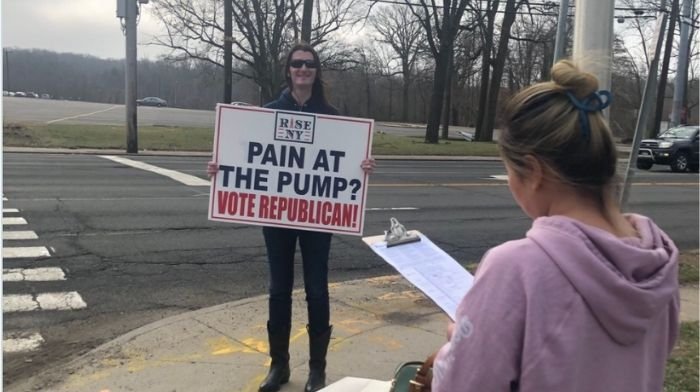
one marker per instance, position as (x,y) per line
(137,246)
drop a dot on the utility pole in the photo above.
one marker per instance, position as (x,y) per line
(132,145)
(228,49)
(647,102)
(655,127)
(560,43)
(593,38)
(306,21)
(682,70)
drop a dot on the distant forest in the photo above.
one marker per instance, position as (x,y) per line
(360,91)
(197,84)
(194,85)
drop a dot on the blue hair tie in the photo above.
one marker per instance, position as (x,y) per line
(589,104)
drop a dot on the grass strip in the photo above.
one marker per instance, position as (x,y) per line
(106,136)
(682,367)
(200,139)
(689,268)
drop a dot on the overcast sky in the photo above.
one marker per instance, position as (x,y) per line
(81,26)
(75,26)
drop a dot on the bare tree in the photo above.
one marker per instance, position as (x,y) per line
(486,21)
(263,30)
(399,29)
(484,131)
(441,25)
(468,50)
(532,50)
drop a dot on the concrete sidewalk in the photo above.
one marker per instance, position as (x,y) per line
(378,323)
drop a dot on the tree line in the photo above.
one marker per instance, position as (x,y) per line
(452,64)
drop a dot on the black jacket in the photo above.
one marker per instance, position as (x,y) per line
(313,105)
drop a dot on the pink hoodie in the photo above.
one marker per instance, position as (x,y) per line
(568,308)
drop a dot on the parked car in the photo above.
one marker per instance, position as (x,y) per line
(45,96)
(152,101)
(20,94)
(677,147)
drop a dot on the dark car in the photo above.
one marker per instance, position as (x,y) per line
(677,147)
(152,101)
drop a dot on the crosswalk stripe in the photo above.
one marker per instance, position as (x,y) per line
(13,221)
(186,179)
(61,301)
(18,303)
(28,251)
(32,274)
(9,210)
(46,301)
(19,235)
(16,345)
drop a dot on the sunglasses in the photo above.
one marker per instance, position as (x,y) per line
(300,63)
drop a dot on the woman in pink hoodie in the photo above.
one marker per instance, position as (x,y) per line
(588,300)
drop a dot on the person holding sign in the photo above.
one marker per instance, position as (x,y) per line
(304,93)
(589,299)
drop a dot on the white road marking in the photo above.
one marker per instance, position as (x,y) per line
(18,303)
(82,115)
(47,301)
(61,301)
(13,221)
(502,177)
(9,210)
(175,175)
(32,274)
(391,209)
(29,251)
(16,345)
(19,235)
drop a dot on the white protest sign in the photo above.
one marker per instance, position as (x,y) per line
(290,169)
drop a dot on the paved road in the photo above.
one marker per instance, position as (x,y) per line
(27,110)
(135,247)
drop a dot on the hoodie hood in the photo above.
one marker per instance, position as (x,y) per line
(286,101)
(625,282)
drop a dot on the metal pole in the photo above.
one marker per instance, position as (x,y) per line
(228,43)
(682,71)
(560,43)
(132,146)
(647,103)
(593,38)
(306,21)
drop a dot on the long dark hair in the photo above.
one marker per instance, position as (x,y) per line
(317,89)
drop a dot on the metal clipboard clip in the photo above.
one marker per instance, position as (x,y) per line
(398,235)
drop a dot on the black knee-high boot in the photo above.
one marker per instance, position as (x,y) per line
(279,352)
(318,348)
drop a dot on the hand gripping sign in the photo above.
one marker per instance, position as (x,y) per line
(290,169)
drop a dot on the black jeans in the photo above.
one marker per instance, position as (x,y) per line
(315,248)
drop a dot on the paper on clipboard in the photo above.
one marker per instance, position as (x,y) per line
(428,268)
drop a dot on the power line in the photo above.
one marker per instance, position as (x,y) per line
(539,12)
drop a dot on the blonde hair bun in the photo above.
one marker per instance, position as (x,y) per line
(569,77)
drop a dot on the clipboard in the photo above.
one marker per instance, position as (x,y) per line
(440,277)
